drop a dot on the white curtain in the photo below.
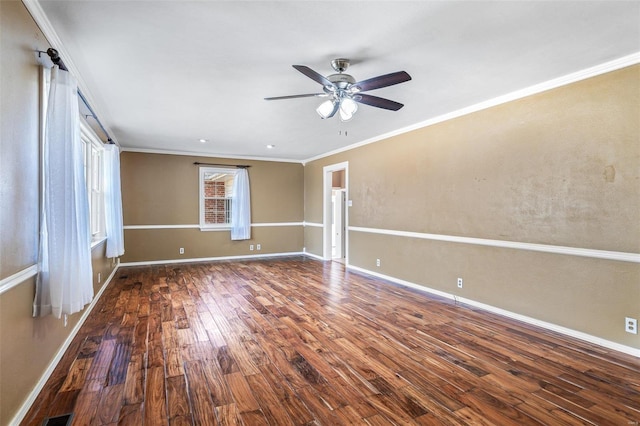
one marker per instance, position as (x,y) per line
(113,202)
(65,281)
(241,207)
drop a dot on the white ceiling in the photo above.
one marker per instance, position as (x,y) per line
(163,74)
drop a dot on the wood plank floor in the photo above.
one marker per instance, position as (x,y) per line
(294,341)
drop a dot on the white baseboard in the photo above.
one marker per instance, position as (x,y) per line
(26,405)
(209,259)
(533,321)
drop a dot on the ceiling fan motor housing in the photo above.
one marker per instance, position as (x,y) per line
(341,80)
(340,64)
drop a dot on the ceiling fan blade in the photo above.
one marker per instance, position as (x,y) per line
(313,75)
(307,95)
(382,81)
(377,102)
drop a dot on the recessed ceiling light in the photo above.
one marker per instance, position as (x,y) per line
(203,140)
(271,146)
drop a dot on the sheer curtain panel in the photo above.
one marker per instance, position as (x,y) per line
(241,207)
(113,202)
(65,282)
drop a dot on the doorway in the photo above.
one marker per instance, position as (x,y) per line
(335,222)
(338,229)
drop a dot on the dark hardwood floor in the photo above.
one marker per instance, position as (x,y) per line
(294,341)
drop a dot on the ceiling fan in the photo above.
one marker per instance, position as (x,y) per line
(344,92)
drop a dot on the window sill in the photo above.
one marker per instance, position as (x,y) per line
(97,241)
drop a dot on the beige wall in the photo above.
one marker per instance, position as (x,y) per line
(560,168)
(19,138)
(162,189)
(313,240)
(27,345)
(142,245)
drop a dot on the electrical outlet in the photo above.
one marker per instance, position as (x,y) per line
(257,246)
(377,262)
(99,278)
(251,247)
(181,250)
(631,325)
(459,282)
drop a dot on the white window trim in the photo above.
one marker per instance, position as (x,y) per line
(91,140)
(209,226)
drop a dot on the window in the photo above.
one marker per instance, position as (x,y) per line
(95,198)
(94,174)
(92,149)
(216,194)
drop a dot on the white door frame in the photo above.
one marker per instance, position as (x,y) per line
(326,209)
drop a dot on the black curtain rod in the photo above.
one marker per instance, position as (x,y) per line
(237,166)
(55,58)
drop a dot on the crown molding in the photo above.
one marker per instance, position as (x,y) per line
(565,80)
(42,21)
(208,155)
(36,11)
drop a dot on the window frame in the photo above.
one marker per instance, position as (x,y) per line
(201,197)
(93,149)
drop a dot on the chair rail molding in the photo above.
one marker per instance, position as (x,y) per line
(545,248)
(18,278)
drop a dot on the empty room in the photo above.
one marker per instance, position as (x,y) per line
(319,212)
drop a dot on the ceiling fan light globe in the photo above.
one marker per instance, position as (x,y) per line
(345,116)
(325,109)
(349,106)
